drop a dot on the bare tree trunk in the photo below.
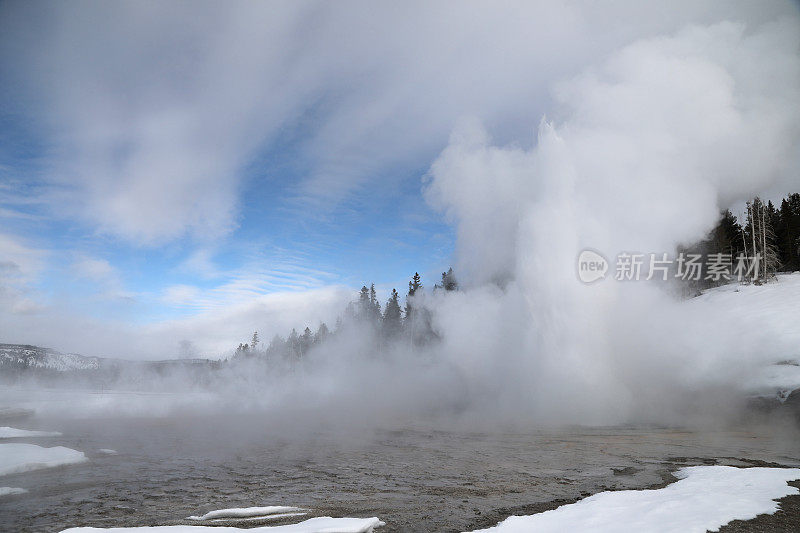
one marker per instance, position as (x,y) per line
(764,238)
(744,241)
(753,231)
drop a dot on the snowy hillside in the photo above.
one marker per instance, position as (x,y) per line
(23,356)
(765,321)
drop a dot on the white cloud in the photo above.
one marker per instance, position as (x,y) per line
(257,278)
(153,115)
(200,263)
(93,268)
(20,267)
(103,276)
(180,294)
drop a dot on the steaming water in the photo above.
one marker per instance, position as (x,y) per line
(415,480)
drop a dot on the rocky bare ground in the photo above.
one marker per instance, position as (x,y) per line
(431,480)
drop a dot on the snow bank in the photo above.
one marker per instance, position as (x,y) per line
(771,312)
(250,518)
(7,491)
(705,498)
(15,458)
(247,512)
(323,524)
(761,352)
(12,433)
(778,379)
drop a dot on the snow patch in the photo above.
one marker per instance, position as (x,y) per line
(12,433)
(777,380)
(704,499)
(7,491)
(322,524)
(107,451)
(16,458)
(246,512)
(762,324)
(250,518)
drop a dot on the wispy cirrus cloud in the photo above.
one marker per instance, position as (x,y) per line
(249,283)
(152,112)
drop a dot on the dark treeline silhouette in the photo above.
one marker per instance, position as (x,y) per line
(388,323)
(769,232)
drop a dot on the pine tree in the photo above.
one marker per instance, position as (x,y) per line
(322,334)
(726,237)
(277,347)
(413,286)
(449,282)
(787,232)
(393,315)
(375,305)
(306,339)
(364,309)
(254,341)
(239,350)
(794,228)
(293,345)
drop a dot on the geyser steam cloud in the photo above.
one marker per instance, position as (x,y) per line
(644,151)
(647,149)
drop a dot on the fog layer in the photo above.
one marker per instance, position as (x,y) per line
(641,152)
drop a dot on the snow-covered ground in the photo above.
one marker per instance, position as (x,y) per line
(776,380)
(45,358)
(270,511)
(13,433)
(322,524)
(762,326)
(772,308)
(19,457)
(704,499)
(7,491)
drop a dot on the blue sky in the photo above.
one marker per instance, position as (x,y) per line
(372,235)
(275,233)
(171,166)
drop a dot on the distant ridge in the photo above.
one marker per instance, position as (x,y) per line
(26,356)
(29,360)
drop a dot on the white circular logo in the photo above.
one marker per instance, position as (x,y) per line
(591,266)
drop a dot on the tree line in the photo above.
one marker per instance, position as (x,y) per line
(390,322)
(773,234)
